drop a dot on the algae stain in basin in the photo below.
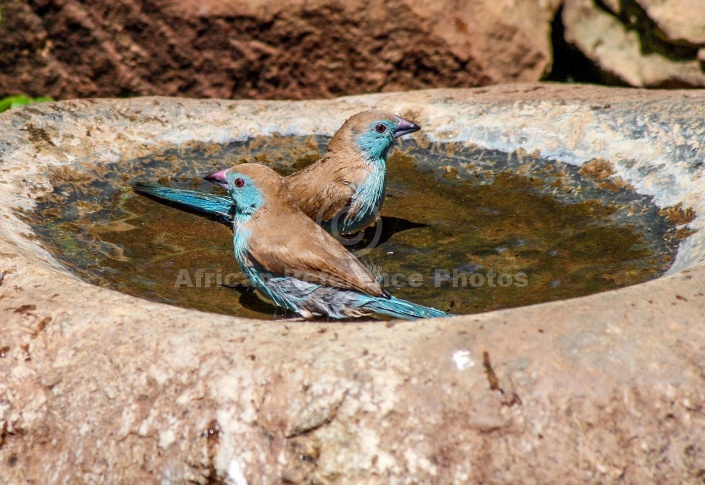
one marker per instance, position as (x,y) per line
(461,229)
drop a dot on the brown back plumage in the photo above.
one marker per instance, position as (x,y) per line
(286,241)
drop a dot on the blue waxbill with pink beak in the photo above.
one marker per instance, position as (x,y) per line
(295,263)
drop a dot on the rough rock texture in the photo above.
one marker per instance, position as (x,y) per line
(99,386)
(682,21)
(646,43)
(292,49)
(302,49)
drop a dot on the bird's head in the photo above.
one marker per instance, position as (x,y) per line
(252,185)
(241,183)
(372,132)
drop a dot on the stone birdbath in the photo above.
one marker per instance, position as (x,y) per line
(100,385)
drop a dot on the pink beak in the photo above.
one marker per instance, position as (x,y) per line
(218,178)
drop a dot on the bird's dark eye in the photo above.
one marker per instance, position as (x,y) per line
(381,128)
(239,182)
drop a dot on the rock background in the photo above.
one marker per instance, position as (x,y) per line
(642,43)
(307,49)
(291,49)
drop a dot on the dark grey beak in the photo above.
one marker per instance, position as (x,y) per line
(404,127)
(218,178)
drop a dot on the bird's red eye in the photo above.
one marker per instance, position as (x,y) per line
(381,128)
(239,182)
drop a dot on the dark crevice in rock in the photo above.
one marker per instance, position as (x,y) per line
(570,64)
(651,38)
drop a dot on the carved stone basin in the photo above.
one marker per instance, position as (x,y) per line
(102,385)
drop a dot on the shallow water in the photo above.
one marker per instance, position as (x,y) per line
(462,229)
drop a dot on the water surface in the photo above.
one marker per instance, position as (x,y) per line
(462,229)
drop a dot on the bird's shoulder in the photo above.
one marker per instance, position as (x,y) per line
(325,188)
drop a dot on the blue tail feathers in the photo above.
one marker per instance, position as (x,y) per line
(398,308)
(211,204)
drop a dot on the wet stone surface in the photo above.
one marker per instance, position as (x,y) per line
(462,229)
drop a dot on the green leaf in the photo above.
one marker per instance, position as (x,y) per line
(20,100)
